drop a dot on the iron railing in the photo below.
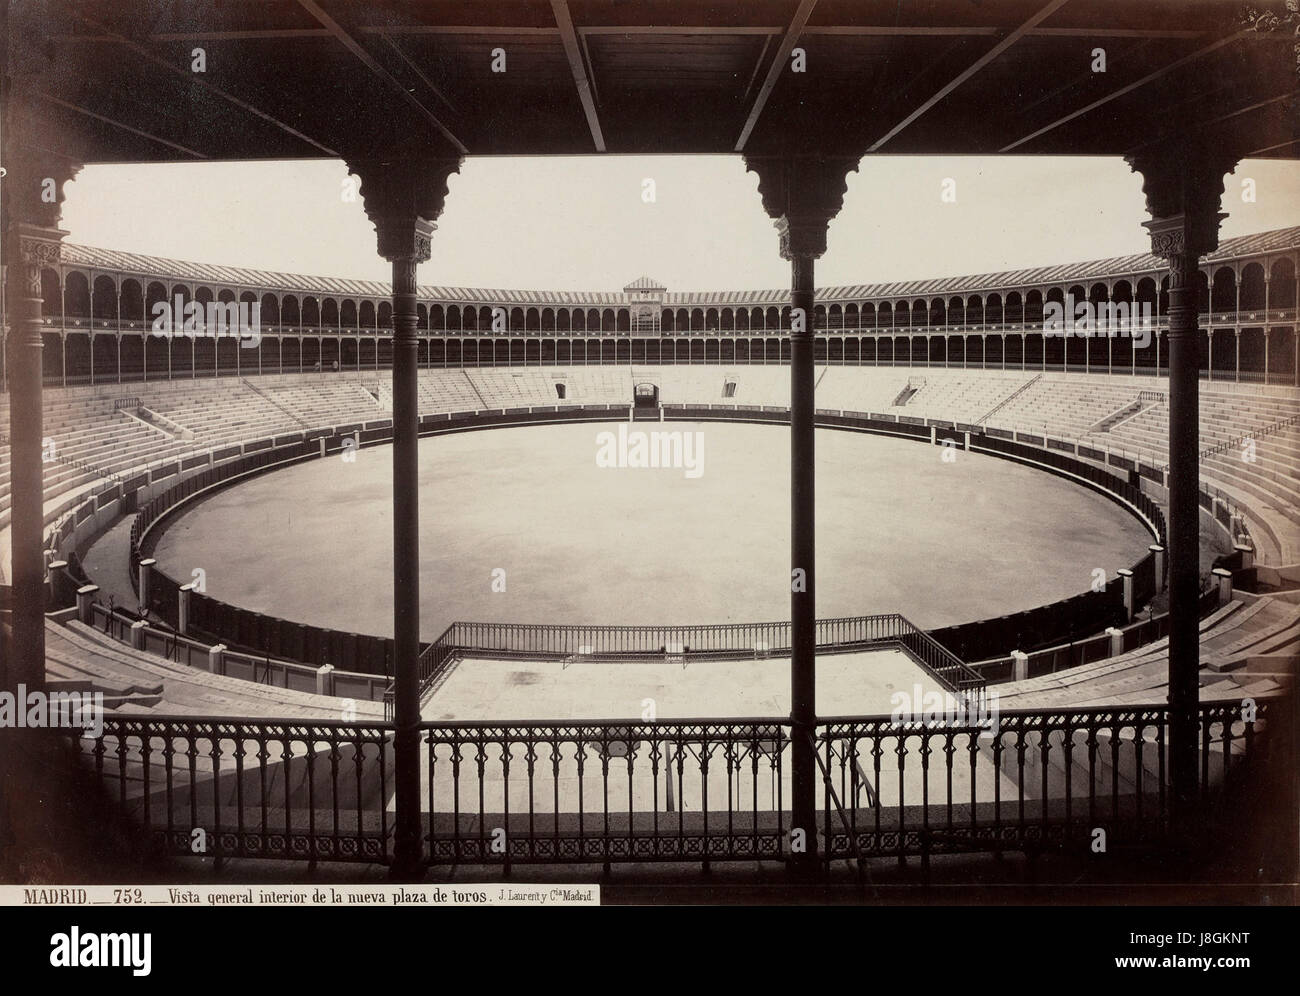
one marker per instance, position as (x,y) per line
(718,641)
(225,788)
(698,790)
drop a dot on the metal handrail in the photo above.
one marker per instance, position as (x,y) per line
(832,796)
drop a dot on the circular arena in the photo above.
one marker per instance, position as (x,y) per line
(575,542)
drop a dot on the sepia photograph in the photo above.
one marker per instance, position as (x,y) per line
(649,452)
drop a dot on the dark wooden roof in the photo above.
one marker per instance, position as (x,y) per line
(328,78)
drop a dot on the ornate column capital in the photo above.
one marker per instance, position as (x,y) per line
(1183,184)
(33,204)
(34,190)
(404,197)
(1183,239)
(37,247)
(802,195)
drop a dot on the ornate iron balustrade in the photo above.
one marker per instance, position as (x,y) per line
(1037,779)
(285,789)
(615,791)
(606,791)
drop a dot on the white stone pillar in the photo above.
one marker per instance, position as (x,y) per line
(1019,665)
(1127,576)
(183,608)
(217,659)
(85,599)
(325,679)
(146,571)
(1116,640)
(1224,578)
(1159,551)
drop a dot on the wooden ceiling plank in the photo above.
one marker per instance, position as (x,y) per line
(1129,88)
(119,124)
(971,70)
(371,63)
(410,63)
(774,70)
(196,80)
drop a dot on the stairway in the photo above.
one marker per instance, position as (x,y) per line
(1009,398)
(1129,411)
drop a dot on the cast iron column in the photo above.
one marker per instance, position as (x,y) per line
(1183,186)
(403,197)
(34,194)
(803,543)
(802,195)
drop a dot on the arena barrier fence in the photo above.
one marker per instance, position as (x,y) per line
(218,659)
(256,634)
(1067,655)
(691,790)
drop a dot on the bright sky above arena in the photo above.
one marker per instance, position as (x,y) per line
(588,223)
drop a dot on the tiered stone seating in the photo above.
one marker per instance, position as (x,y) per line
(1066,406)
(320,401)
(519,388)
(91,441)
(865,389)
(597,385)
(707,385)
(222,415)
(1268,486)
(958,396)
(447,391)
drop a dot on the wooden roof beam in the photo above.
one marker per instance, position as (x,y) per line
(1129,88)
(195,79)
(783,50)
(371,63)
(569,39)
(1052,7)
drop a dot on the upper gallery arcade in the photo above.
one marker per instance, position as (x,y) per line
(99,309)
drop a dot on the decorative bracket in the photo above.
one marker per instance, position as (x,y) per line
(802,195)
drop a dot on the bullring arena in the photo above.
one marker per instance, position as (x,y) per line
(392,578)
(1031,460)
